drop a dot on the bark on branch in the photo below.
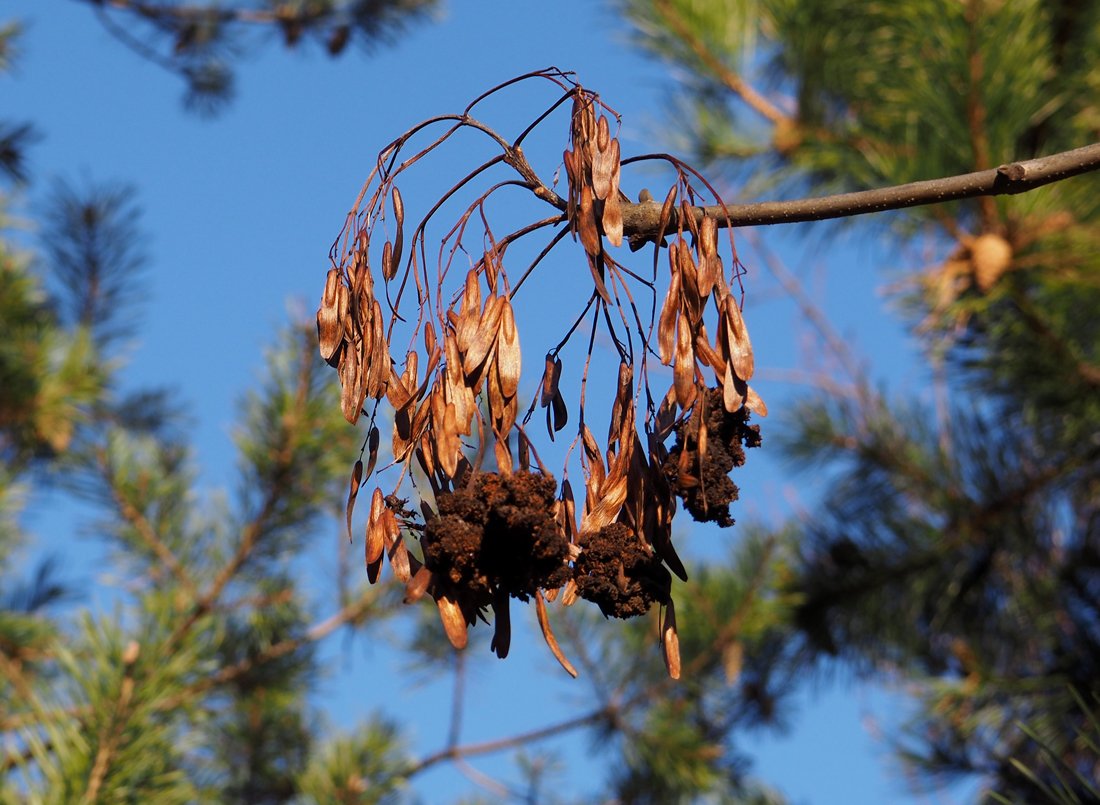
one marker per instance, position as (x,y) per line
(640,221)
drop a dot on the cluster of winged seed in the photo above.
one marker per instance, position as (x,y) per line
(595,203)
(481,358)
(514,533)
(682,340)
(350,328)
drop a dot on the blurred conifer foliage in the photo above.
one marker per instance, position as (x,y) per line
(958,546)
(201,40)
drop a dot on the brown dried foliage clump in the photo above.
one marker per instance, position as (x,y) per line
(500,528)
(709,444)
(620,573)
(499,533)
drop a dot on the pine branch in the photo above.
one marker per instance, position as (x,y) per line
(258,526)
(185,14)
(352,613)
(640,221)
(595,716)
(112,730)
(976,111)
(730,79)
(143,528)
(1088,373)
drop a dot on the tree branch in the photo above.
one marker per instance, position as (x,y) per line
(352,613)
(520,739)
(640,221)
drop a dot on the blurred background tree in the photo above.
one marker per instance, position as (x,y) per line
(957,548)
(959,543)
(202,42)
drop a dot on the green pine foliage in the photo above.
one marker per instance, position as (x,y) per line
(957,547)
(194,686)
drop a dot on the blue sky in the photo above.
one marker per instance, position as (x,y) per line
(241,210)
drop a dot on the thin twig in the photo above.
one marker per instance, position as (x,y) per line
(813,312)
(520,739)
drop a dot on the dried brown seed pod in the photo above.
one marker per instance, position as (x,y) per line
(687,219)
(375,543)
(612,219)
(352,390)
(596,471)
(666,213)
(401,391)
(583,122)
(418,585)
(483,339)
(754,403)
(560,414)
(353,491)
(575,177)
(666,325)
(737,336)
(509,358)
(400,559)
(689,282)
(710,264)
(454,622)
(567,516)
(586,222)
(469,314)
(623,399)
(707,354)
(601,160)
(550,376)
(389,265)
(733,390)
(502,408)
(670,641)
(399,235)
(683,371)
(608,497)
(330,317)
(548,636)
(502,624)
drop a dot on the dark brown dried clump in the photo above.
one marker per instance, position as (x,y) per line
(498,533)
(619,573)
(700,478)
